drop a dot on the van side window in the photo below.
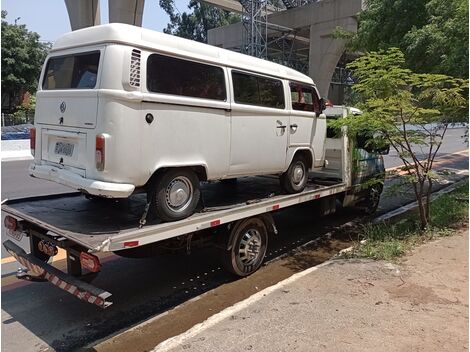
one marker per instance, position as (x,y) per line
(170,75)
(77,71)
(304,98)
(257,90)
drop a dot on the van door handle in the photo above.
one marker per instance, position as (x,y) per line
(279,122)
(293,128)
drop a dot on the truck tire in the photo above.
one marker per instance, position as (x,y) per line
(372,199)
(295,178)
(174,195)
(246,247)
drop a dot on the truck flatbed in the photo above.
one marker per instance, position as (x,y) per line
(103,225)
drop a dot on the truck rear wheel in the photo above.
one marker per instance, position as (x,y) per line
(295,178)
(175,194)
(246,247)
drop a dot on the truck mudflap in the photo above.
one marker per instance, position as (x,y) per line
(46,272)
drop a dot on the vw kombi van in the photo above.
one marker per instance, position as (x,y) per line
(122,109)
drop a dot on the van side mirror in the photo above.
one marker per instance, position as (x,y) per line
(322,104)
(384,150)
(363,142)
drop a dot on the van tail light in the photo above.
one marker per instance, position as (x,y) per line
(32,140)
(10,223)
(100,152)
(90,262)
(329,103)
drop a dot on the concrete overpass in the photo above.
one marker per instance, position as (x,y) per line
(315,22)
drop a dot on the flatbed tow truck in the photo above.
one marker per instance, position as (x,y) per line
(235,217)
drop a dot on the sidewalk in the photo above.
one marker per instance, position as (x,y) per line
(16,150)
(419,304)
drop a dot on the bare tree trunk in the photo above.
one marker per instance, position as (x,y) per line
(428,200)
(419,190)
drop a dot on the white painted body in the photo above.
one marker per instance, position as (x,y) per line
(222,139)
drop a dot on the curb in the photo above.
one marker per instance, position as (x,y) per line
(16,155)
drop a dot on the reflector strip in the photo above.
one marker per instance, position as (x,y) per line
(72,289)
(317,196)
(215,223)
(131,244)
(273,207)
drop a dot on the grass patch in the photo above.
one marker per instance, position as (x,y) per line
(389,240)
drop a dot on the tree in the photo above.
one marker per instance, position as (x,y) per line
(433,34)
(22,58)
(441,46)
(194,25)
(410,111)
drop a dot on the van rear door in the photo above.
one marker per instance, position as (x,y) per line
(68,97)
(66,108)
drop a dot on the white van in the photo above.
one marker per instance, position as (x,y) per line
(122,109)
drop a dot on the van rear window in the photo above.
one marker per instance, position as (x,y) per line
(78,71)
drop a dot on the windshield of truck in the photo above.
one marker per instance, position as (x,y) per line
(76,71)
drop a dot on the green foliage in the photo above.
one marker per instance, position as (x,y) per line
(450,210)
(388,240)
(25,110)
(432,33)
(194,25)
(410,111)
(22,59)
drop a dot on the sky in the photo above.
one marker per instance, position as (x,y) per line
(49,18)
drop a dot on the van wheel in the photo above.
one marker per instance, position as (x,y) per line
(174,194)
(246,247)
(295,178)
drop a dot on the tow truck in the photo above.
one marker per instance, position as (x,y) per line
(235,217)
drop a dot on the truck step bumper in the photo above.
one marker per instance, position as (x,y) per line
(46,272)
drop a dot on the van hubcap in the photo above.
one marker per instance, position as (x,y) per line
(179,193)
(249,248)
(298,173)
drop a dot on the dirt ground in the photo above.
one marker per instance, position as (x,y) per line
(419,303)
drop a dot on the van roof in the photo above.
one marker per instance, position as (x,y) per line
(169,44)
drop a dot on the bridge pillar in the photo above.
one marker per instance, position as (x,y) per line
(83,13)
(126,11)
(325,51)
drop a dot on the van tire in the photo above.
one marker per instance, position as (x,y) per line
(174,195)
(295,178)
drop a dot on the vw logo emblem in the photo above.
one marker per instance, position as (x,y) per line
(63,106)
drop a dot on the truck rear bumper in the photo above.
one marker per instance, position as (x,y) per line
(70,284)
(70,179)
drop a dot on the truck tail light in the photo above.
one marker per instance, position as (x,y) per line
(90,262)
(32,140)
(100,152)
(10,223)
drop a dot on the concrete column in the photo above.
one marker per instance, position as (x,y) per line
(83,13)
(325,51)
(126,11)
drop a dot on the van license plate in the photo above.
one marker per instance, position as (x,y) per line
(17,235)
(63,148)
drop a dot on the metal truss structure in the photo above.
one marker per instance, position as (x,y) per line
(273,42)
(255,22)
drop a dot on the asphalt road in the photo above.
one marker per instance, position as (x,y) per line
(39,316)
